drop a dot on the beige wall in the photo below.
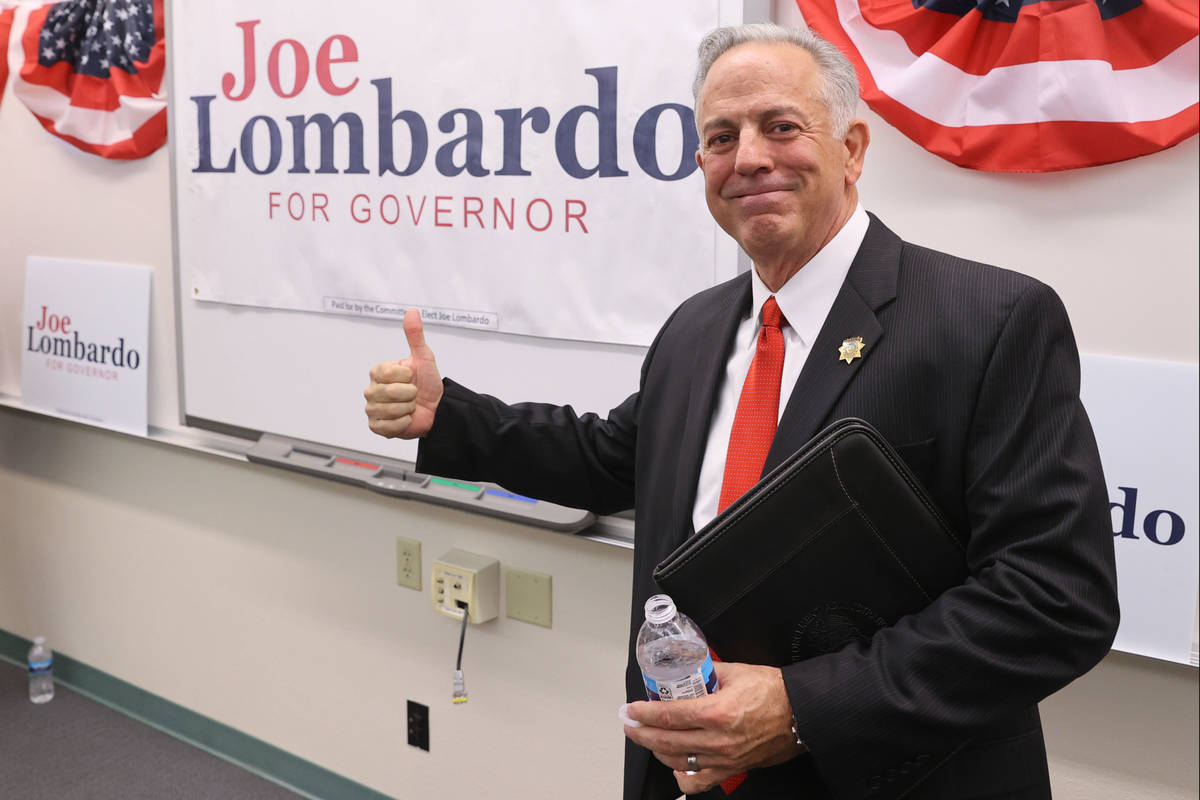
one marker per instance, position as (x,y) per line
(268,601)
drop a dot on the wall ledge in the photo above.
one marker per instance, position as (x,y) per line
(616,531)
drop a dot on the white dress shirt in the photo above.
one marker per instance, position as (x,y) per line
(805,301)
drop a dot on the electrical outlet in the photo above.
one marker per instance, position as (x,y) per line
(408,563)
(418,725)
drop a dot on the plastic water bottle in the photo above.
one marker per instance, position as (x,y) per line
(41,672)
(673,654)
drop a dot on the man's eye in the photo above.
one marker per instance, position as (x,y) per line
(785,127)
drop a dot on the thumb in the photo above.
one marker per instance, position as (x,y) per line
(414,331)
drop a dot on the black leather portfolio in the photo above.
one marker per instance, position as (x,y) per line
(836,543)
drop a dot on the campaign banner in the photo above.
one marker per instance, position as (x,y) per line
(1146,415)
(85,341)
(526,167)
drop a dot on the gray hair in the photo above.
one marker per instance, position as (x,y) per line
(839,84)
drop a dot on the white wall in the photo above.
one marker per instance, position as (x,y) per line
(267,600)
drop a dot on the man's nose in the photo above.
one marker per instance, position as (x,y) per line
(753,153)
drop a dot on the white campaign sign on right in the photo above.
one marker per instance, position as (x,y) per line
(1145,417)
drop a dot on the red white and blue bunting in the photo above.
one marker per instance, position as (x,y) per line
(1024,85)
(91,71)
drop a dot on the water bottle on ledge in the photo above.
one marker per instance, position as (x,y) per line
(673,654)
(41,672)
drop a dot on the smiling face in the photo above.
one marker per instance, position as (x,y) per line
(776,176)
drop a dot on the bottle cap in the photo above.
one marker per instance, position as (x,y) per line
(625,718)
(39,640)
(660,608)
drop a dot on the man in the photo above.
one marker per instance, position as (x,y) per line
(970,371)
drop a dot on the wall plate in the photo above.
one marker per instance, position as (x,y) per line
(529,596)
(408,563)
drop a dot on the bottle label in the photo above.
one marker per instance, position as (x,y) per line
(697,683)
(40,667)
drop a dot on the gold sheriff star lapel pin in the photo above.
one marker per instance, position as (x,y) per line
(851,349)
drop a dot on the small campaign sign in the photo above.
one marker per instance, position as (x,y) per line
(84,341)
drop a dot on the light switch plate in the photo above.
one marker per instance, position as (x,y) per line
(529,596)
(408,563)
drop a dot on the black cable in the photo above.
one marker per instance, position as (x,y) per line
(462,635)
(459,695)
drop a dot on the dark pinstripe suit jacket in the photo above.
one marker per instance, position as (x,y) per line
(973,374)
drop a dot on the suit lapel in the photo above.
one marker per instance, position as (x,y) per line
(869,285)
(714,337)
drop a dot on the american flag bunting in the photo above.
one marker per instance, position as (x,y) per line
(1024,85)
(91,71)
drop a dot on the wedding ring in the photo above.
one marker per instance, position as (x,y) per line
(692,765)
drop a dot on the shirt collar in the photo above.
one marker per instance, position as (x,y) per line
(807,297)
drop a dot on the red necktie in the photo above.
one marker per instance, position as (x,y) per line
(757,410)
(754,427)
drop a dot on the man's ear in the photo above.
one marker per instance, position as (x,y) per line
(856,140)
(699,159)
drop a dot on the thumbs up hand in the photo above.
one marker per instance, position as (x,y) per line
(403,395)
